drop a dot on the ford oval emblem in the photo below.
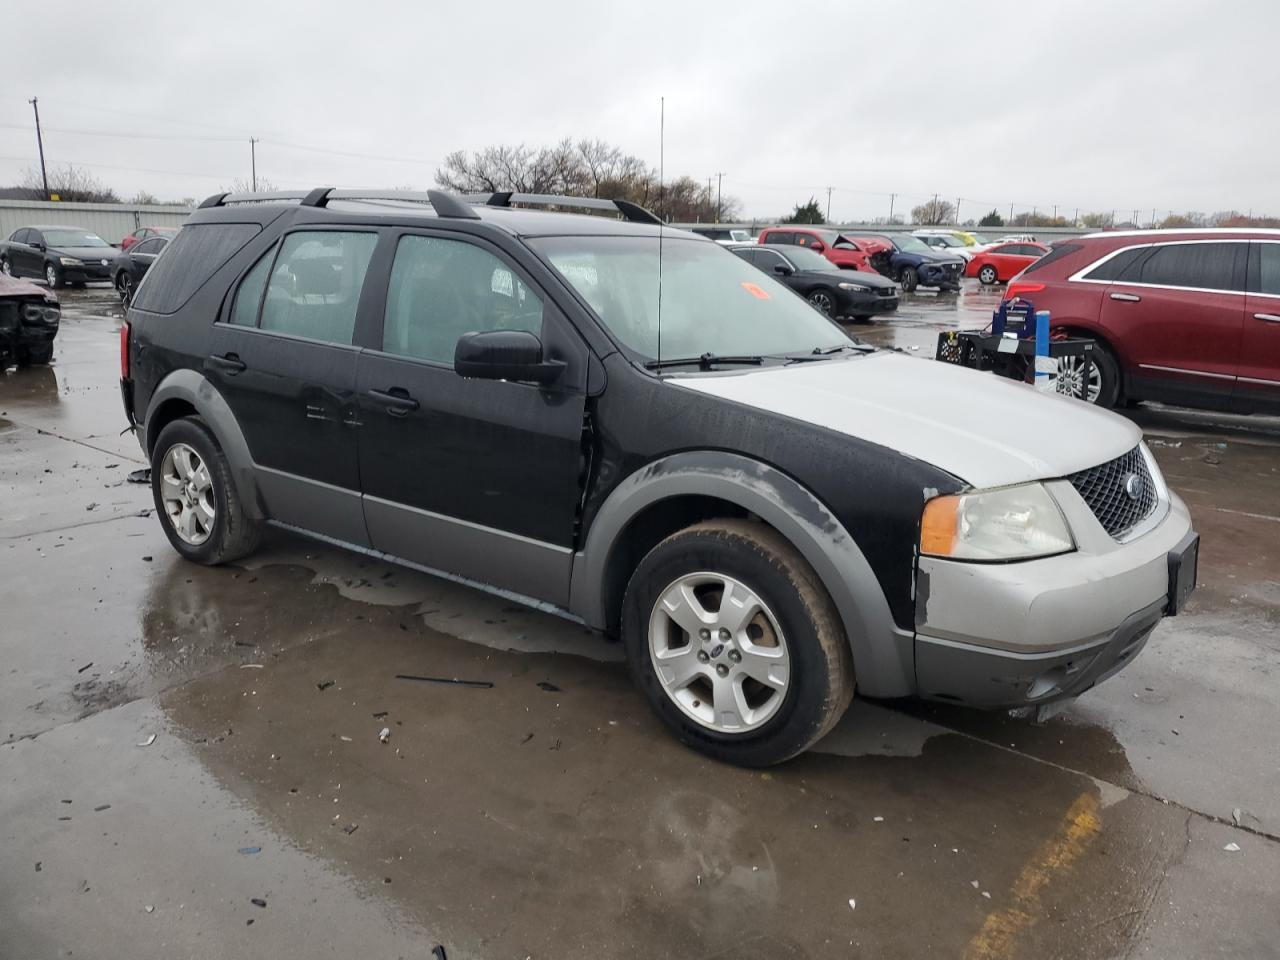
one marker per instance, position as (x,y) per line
(1133,486)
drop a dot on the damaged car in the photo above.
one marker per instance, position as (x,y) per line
(913,263)
(29,321)
(633,428)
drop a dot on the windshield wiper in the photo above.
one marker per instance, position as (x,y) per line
(828,351)
(706,361)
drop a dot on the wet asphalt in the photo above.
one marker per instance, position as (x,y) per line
(190,762)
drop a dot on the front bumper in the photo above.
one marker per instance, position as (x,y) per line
(88,271)
(946,276)
(1015,634)
(855,304)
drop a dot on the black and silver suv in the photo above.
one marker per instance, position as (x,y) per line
(632,427)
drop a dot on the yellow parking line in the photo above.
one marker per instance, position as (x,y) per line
(999,933)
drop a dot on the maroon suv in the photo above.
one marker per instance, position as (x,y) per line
(1190,317)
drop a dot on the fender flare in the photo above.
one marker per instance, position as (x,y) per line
(883,654)
(194,388)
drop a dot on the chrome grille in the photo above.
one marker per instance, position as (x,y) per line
(1118,501)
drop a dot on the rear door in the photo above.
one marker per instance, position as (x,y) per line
(480,479)
(1175,313)
(1258,386)
(284,359)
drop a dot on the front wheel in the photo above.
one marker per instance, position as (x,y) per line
(52,276)
(987,275)
(195,498)
(824,301)
(909,278)
(735,643)
(5,267)
(124,287)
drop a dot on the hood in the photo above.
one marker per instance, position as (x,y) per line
(934,256)
(984,429)
(13,287)
(873,280)
(85,253)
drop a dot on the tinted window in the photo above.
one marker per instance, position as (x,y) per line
(1123,266)
(1056,252)
(1206,265)
(1268,268)
(20,236)
(153,246)
(315,284)
(780,236)
(249,296)
(746,254)
(441,289)
(198,252)
(767,260)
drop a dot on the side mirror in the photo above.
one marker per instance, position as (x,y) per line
(38,245)
(504,355)
(782,270)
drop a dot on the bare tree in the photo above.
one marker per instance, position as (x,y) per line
(1098,220)
(70,184)
(243,185)
(143,198)
(933,212)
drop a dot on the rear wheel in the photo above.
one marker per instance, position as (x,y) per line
(987,274)
(824,300)
(909,278)
(1101,386)
(195,497)
(735,643)
(5,267)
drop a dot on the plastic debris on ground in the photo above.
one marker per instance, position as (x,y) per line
(484,684)
(1232,848)
(250,850)
(140,476)
(385,734)
(149,741)
(853,904)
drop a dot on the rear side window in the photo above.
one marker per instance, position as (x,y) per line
(1268,268)
(1209,266)
(315,284)
(441,289)
(249,296)
(780,236)
(1123,266)
(195,254)
(1056,252)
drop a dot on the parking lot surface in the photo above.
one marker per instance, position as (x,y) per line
(190,759)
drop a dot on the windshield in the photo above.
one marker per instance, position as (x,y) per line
(73,238)
(712,300)
(742,236)
(910,244)
(804,259)
(979,238)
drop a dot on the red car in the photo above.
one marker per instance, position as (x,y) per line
(1004,261)
(1190,317)
(848,253)
(146,233)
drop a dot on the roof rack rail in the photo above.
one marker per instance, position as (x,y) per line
(630,211)
(223,199)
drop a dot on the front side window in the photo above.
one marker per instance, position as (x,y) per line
(152,246)
(1208,266)
(315,285)
(711,301)
(21,236)
(1268,268)
(441,289)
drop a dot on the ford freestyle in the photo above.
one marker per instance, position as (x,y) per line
(632,427)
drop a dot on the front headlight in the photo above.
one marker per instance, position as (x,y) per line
(861,288)
(70,262)
(1012,523)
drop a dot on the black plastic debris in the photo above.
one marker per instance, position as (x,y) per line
(325,684)
(484,684)
(40,866)
(258,902)
(549,687)
(380,715)
(140,476)
(146,559)
(99,809)
(85,667)
(350,828)
(526,738)
(438,952)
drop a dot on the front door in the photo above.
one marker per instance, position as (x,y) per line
(1178,312)
(1258,386)
(480,479)
(284,360)
(27,260)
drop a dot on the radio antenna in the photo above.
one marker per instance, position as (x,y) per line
(662,144)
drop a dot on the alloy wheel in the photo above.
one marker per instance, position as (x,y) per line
(1070,376)
(5,268)
(186,489)
(822,301)
(719,653)
(50,275)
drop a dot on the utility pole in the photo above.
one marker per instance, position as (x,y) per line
(708,191)
(828,204)
(1055,211)
(253,162)
(35,105)
(719,185)
(1153,216)
(892,197)
(1075,217)
(933,211)
(1011,214)
(958,199)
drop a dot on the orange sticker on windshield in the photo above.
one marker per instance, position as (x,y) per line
(755,291)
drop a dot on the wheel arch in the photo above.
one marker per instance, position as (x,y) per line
(676,491)
(185,393)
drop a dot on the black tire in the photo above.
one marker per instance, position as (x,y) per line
(6,267)
(824,300)
(35,356)
(1109,386)
(234,533)
(988,275)
(53,276)
(909,277)
(124,287)
(820,684)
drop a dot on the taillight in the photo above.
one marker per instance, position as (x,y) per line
(124,350)
(1016,289)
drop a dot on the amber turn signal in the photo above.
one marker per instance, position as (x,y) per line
(938,526)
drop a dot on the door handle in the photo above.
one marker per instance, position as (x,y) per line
(1126,297)
(230,363)
(396,400)
(1269,317)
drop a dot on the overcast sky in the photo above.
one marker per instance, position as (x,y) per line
(1097,105)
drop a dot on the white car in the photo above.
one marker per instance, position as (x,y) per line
(726,236)
(946,242)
